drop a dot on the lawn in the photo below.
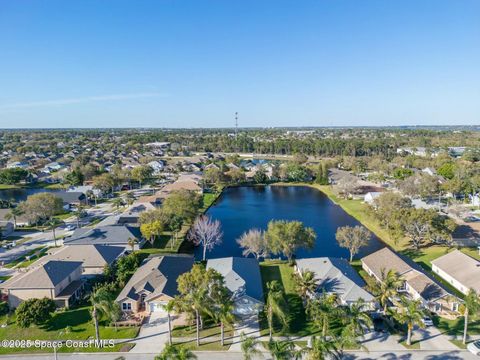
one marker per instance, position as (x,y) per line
(455,327)
(7,187)
(299,325)
(209,329)
(415,345)
(209,199)
(207,346)
(74,324)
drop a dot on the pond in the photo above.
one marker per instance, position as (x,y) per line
(21,194)
(242,208)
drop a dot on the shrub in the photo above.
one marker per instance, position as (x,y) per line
(34,311)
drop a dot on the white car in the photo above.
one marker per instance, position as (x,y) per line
(427,321)
(474,347)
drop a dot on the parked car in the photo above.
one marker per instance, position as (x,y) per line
(427,321)
(470,219)
(474,347)
(70,227)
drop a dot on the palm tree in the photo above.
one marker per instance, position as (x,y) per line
(78,213)
(103,304)
(172,352)
(249,347)
(323,311)
(224,313)
(305,283)
(281,350)
(169,307)
(357,319)
(131,242)
(52,224)
(410,313)
(320,349)
(14,213)
(388,288)
(117,202)
(471,306)
(275,305)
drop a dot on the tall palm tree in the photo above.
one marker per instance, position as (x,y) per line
(275,305)
(224,314)
(79,213)
(172,352)
(169,307)
(52,224)
(357,318)
(323,311)
(410,313)
(321,349)
(117,202)
(471,306)
(306,283)
(388,287)
(249,347)
(14,213)
(281,350)
(103,304)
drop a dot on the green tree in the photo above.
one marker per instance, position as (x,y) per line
(286,237)
(126,266)
(117,203)
(182,203)
(306,283)
(34,311)
(175,352)
(281,350)
(353,238)
(471,306)
(323,311)
(357,319)
(275,305)
(53,224)
(224,314)
(388,287)
(260,176)
(169,308)
(104,182)
(411,314)
(103,306)
(249,347)
(14,214)
(12,176)
(142,173)
(322,349)
(41,207)
(79,212)
(132,242)
(447,170)
(152,231)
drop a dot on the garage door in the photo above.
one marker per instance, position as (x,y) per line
(156,307)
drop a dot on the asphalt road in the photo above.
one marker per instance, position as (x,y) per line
(384,355)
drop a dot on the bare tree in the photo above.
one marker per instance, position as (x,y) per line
(346,186)
(206,232)
(253,243)
(352,238)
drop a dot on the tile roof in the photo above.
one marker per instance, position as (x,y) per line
(461,267)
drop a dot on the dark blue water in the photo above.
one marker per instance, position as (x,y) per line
(21,194)
(242,208)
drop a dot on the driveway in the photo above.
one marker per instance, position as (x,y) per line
(433,339)
(248,325)
(153,334)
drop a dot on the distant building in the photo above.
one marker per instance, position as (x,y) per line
(370,197)
(112,235)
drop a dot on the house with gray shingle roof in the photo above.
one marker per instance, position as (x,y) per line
(416,283)
(459,270)
(243,279)
(337,276)
(154,283)
(57,280)
(111,235)
(93,257)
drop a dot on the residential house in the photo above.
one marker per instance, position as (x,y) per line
(154,283)
(52,167)
(86,189)
(416,284)
(111,235)
(337,276)
(132,214)
(370,197)
(243,280)
(5,219)
(93,257)
(157,166)
(71,199)
(57,280)
(459,270)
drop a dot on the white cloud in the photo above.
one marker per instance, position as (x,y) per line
(61,102)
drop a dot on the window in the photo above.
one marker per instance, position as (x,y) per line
(126,306)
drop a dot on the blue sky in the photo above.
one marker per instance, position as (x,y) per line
(165,63)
